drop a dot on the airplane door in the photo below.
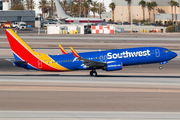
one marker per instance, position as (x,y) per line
(157,53)
(105,58)
(39,64)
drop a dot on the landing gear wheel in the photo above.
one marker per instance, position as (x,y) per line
(93,73)
(160,67)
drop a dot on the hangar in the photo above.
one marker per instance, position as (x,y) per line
(18,16)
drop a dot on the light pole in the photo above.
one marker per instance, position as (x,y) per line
(131,16)
(39,24)
(122,15)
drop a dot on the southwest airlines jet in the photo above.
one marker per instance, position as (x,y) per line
(63,17)
(109,60)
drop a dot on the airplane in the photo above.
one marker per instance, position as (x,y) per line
(64,18)
(109,60)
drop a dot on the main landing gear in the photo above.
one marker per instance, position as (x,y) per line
(93,73)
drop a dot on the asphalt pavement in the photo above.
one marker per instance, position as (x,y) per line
(144,92)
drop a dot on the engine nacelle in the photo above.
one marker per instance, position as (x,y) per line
(114,66)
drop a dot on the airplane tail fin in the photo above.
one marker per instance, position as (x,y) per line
(27,58)
(18,46)
(60,12)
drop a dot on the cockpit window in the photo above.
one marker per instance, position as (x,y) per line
(166,51)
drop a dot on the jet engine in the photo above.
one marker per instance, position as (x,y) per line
(113,66)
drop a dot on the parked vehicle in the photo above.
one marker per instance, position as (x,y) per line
(113,23)
(14,24)
(153,24)
(21,26)
(164,25)
(139,24)
(119,23)
(45,23)
(126,23)
(102,24)
(7,24)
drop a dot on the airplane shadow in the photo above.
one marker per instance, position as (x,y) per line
(99,76)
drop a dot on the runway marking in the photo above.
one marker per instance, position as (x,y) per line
(86,89)
(85,115)
(97,38)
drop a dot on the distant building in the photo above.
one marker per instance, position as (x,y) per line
(5,4)
(162,11)
(18,16)
(1,5)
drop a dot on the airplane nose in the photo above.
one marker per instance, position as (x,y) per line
(174,54)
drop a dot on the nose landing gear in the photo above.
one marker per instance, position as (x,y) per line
(160,67)
(93,73)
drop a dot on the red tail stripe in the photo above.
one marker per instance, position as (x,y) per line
(23,53)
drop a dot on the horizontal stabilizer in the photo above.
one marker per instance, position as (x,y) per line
(17,61)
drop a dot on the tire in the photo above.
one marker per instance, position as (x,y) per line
(160,67)
(93,73)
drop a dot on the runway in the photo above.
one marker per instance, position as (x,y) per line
(140,92)
(134,88)
(84,93)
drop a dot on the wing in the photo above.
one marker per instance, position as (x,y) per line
(86,62)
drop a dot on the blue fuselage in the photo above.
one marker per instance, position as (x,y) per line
(130,56)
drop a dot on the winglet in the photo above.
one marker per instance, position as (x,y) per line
(62,49)
(74,53)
